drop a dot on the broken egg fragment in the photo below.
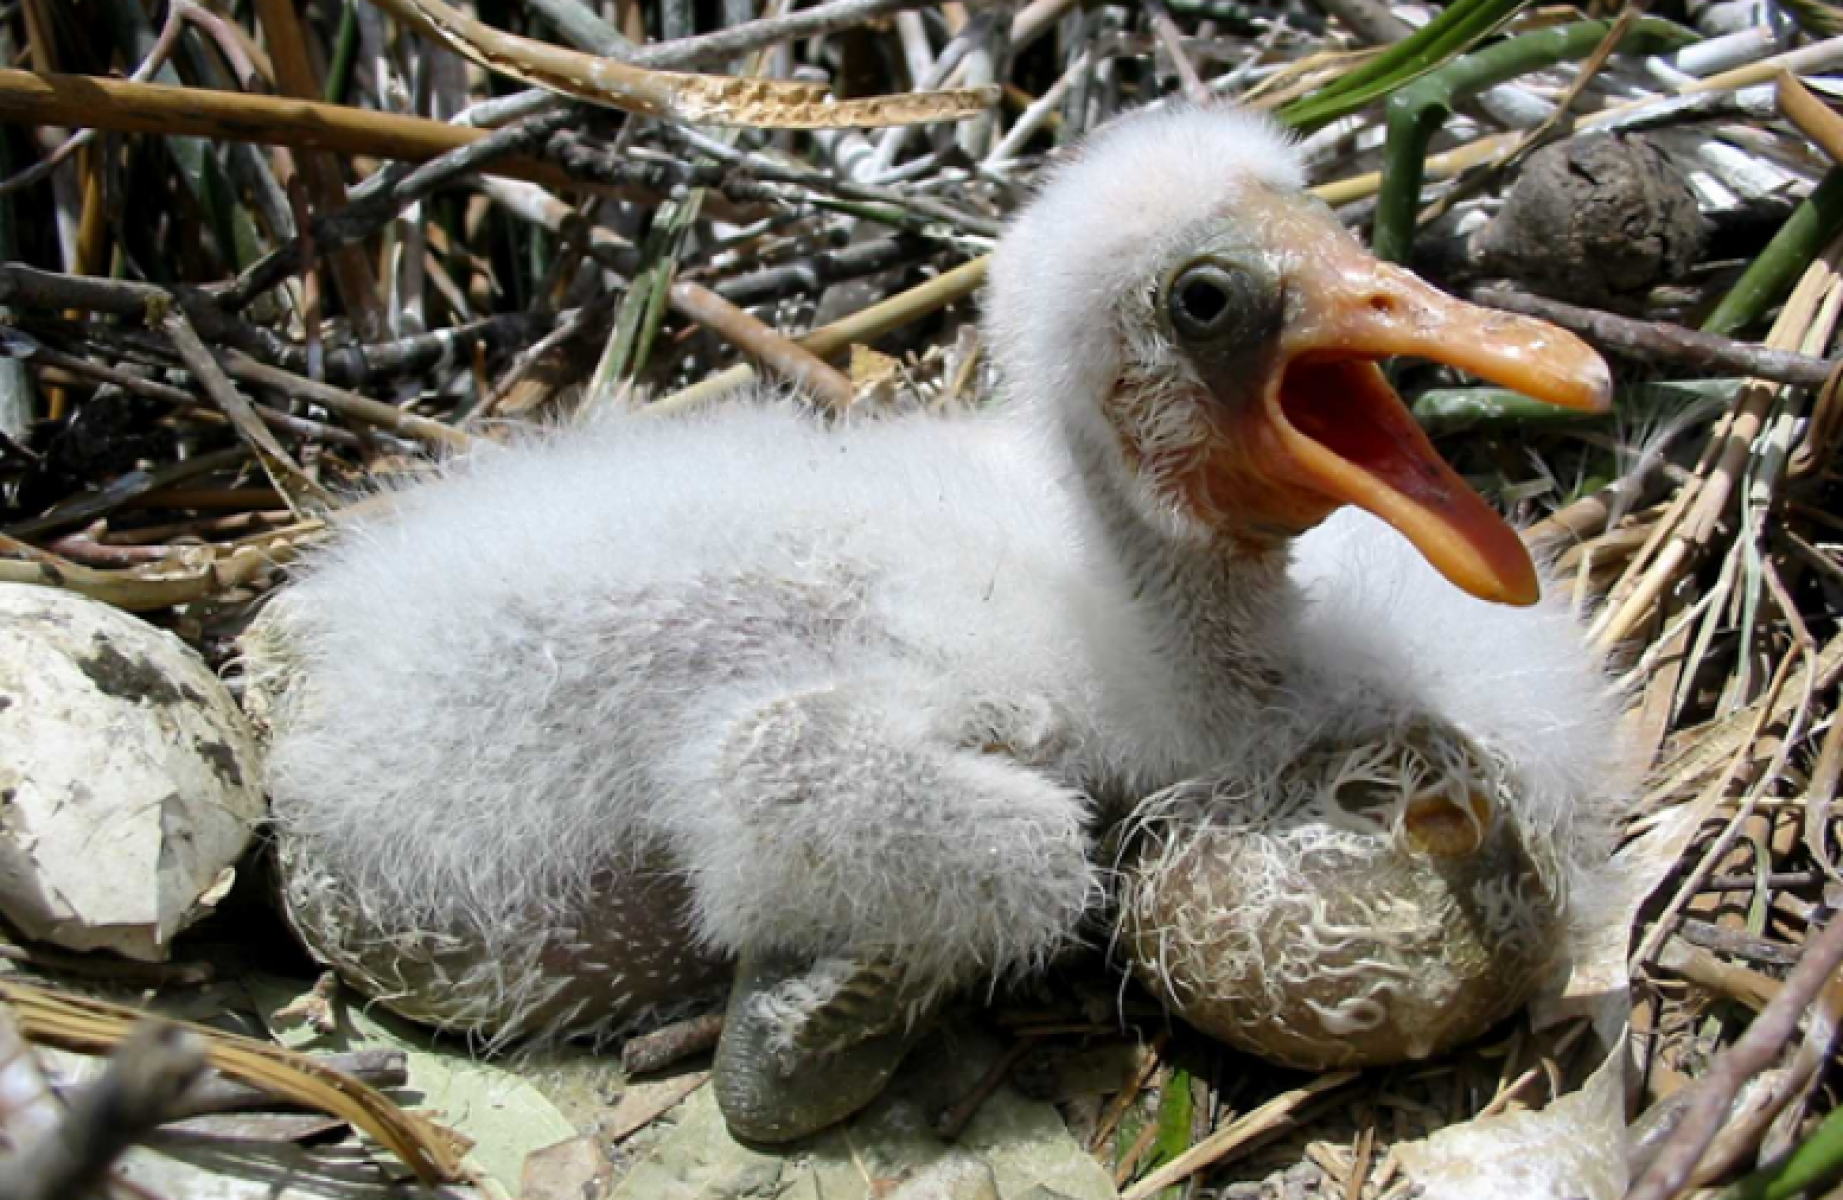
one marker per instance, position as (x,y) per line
(128,782)
(1370,902)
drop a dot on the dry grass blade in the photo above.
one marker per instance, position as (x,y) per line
(123,106)
(1713,746)
(1304,76)
(1815,119)
(1214,1148)
(1756,1049)
(1682,537)
(697,99)
(87,1026)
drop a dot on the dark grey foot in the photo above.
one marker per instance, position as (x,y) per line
(806,1045)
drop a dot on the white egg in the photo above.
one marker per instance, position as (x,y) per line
(129,781)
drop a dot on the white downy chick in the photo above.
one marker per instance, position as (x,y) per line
(598,712)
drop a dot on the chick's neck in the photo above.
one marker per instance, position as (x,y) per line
(1213,606)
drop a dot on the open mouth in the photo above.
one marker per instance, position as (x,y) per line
(1351,439)
(1347,407)
(1328,429)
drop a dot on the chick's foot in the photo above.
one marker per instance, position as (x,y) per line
(806,1045)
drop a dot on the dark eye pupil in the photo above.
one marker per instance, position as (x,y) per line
(1202,301)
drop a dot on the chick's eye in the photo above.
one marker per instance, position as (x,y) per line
(1211,302)
(1201,301)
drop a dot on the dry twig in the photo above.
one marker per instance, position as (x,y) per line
(1756,1050)
(148,1073)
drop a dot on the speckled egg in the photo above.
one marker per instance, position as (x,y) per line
(1366,904)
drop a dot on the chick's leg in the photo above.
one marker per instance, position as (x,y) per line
(860,865)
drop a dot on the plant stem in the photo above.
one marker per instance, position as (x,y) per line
(1462,24)
(1416,112)
(345,53)
(1811,225)
(1816,1163)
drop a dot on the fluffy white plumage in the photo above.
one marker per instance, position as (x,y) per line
(867,691)
(1381,636)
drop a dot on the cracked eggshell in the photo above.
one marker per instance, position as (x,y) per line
(129,782)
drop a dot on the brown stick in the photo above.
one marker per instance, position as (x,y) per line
(162,50)
(395,190)
(1739,943)
(320,171)
(663,1047)
(347,403)
(29,98)
(296,487)
(145,1076)
(166,393)
(1715,974)
(1815,119)
(861,326)
(1659,342)
(784,357)
(1676,1161)
(28,287)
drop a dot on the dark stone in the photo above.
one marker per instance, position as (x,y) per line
(1600,220)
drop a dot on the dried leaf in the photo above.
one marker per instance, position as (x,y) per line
(695,99)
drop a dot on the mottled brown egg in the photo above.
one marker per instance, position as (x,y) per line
(619,957)
(613,956)
(1367,904)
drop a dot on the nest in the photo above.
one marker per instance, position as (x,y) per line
(244,329)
